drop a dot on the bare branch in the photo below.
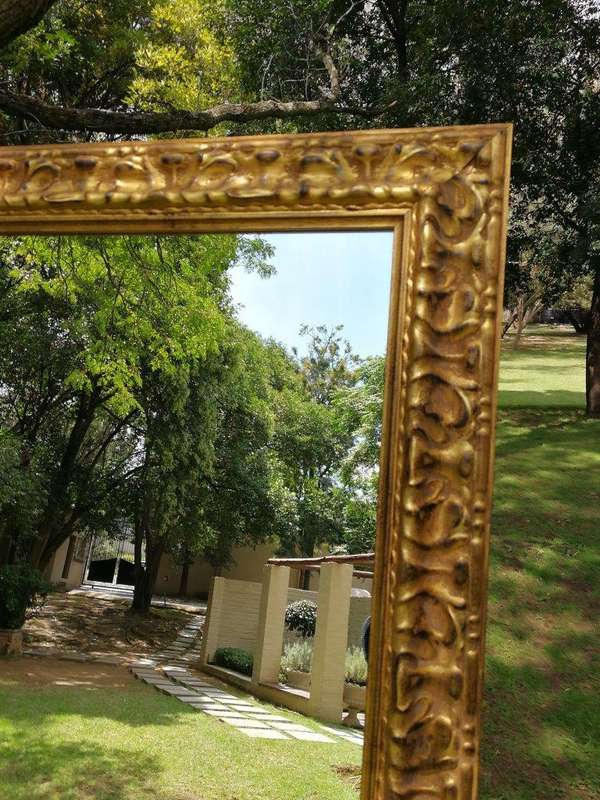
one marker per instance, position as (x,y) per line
(149,122)
(334,78)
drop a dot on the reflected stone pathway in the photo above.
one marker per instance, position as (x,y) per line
(168,672)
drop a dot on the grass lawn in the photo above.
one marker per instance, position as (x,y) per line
(542,715)
(104,743)
(546,371)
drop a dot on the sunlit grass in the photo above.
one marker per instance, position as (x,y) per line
(547,370)
(542,713)
(107,744)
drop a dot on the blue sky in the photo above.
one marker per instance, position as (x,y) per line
(322,278)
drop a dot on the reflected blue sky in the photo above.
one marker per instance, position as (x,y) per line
(322,279)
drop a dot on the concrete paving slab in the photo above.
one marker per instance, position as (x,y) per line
(311,736)
(290,726)
(256,733)
(243,722)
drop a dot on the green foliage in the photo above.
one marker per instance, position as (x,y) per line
(311,440)
(578,296)
(361,407)
(21,497)
(128,303)
(184,61)
(82,53)
(21,587)
(234,658)
(296,656)
(301,617)
(152,55)
(108,342)
(356,667)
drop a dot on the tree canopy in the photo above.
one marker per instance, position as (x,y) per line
(86,323)
(117,69)
(132,399)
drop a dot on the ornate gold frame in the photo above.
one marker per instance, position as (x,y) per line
(444,193)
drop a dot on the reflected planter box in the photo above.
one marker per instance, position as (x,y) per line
(298,680)
(355,696)
(11,642)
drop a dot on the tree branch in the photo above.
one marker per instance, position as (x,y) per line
(19,16)
(394,17)
(148,122)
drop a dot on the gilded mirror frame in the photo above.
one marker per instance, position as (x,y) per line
(444,194)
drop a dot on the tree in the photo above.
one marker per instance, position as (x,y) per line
(361,406)
(169,460)
(576,301)
(205,483)
(116,68)
(311,441)
(241,498)
(85,320)
(106,68)
(529,288)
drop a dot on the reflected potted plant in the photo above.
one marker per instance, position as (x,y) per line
(355,686)
(21,587)
(301,620)
(296,663)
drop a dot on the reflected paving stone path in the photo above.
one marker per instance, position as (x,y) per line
(168,672)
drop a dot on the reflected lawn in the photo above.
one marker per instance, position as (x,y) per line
(66,743)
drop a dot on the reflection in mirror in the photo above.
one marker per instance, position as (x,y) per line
(190,431)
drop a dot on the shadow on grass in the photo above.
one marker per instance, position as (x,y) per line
(37,769)
(541,736)
(514,398)
(541,726)
(134,708)
(562,349)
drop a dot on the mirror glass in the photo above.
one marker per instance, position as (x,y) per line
(191,429)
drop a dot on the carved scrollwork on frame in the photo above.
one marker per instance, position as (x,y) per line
(444,496)
(220,176)
(451,185)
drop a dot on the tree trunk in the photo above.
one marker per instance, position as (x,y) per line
(38,556)
(59,519)
(142,592)
(519,323)
(580,320)
(145,575)
(18,16)
(524,316)
(185,576)
(592,361)
(508,323)
(69,558)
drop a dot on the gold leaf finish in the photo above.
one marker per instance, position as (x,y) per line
(444,193)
